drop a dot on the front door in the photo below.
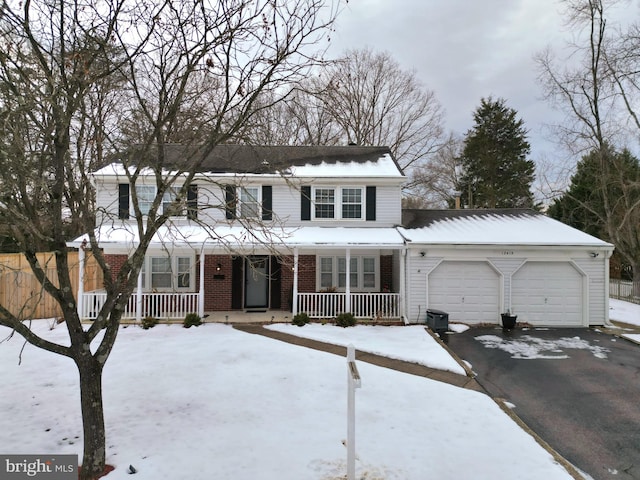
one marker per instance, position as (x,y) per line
(256,282)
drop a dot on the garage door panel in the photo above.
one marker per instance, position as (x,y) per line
(548,293)
(468,291)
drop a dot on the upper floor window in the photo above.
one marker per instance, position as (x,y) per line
(249,205)
(146,195)
(248,202)
(352,203)
(325,199)
(338,203)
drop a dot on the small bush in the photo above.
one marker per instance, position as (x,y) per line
(345,320)
(149,322)
(300,319)
(192,320)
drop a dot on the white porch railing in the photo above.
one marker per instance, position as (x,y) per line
(363,305)
(156,305)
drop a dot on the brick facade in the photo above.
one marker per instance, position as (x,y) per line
(218,284)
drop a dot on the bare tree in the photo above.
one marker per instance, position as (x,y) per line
(590,91)
(436,183)
(175,71)
(375,102)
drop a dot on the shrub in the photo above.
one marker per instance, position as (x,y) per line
(192,320)
(345,320)
(149,322)
(300,319)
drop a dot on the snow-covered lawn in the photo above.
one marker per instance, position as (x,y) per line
(625,312)
(412,343)
(215,403)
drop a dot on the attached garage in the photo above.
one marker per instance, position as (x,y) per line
(548,293)
(477,264)
(468,291)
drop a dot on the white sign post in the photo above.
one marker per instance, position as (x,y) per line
(353,382)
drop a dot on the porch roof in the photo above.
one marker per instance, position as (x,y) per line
(236,238)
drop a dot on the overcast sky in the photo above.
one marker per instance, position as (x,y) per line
(465,50)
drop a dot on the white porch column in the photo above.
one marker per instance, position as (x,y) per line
(403,283)
(139,298)
(201,287)
(294,301)
(347,284)
(81,261)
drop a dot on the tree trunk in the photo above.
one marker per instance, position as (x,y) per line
(636,280)
(93,459)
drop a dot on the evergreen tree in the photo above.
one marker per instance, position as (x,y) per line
(582,205)
(496,172)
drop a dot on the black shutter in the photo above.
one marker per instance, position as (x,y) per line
(237,282)
(267,202)
(230,201)
(192,202)
(276,283)
(305,205)
(123,201)
(371,203)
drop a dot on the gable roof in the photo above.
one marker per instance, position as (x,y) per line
(260,159)
(491,227)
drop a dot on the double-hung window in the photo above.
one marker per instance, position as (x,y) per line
(168,198)
(338,203)
(352,203)
(249,206)
(363,273)
(164,273)
(325,201)
(146,194)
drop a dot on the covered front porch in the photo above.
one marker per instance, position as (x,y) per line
(273,283)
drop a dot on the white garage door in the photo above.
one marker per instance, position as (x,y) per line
(548,293)
(468,291)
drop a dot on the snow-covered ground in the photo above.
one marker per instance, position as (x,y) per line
(625,312)
(213,402)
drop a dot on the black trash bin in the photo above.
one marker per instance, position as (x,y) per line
(437,320)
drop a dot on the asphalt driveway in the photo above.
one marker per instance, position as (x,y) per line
(579,389)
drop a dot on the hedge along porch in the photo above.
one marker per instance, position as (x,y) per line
(319,271)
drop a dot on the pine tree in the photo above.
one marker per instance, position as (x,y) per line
(496,172)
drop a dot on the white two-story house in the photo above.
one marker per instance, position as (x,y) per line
(320,230)
(295,229)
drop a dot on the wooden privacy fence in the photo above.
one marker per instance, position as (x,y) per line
(23,295)
(624,290)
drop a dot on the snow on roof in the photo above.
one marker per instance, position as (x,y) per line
(237,237)
(384,166)
(492,227)
(310,161)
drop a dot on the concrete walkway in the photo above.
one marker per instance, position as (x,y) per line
(399,365)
